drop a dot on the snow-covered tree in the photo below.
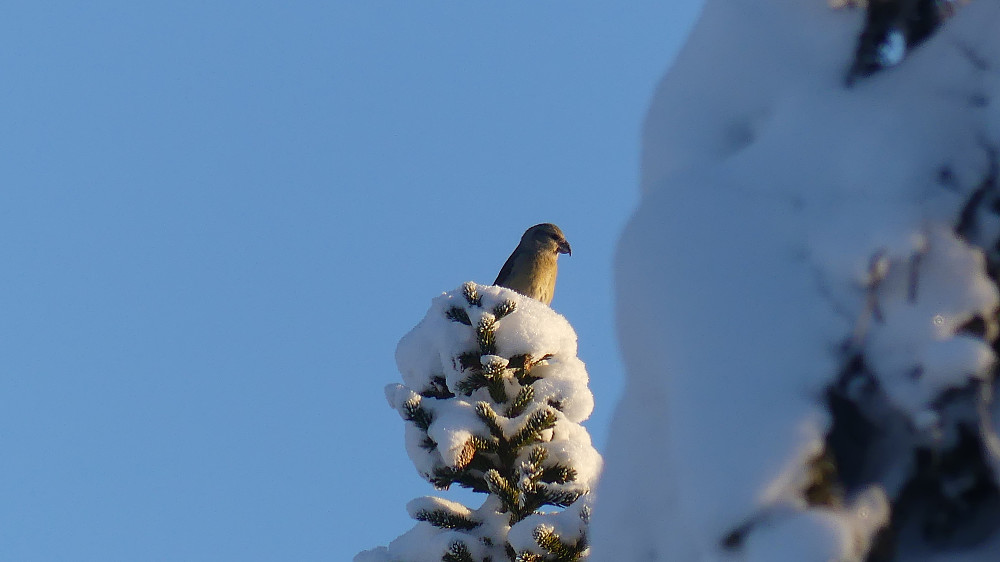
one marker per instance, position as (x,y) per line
(808,296)
(493,395)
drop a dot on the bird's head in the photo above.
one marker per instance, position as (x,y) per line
(546,237)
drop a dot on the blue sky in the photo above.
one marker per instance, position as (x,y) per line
(217,220)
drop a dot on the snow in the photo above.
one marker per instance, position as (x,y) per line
(892,51)
(805,536)
(787,224)
(564,380)
(434,361)
(570,524)
(430,348)
(431,503)
(916,352)
(425,543)
(818,535)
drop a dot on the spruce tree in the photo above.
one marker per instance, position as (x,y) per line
(492,398)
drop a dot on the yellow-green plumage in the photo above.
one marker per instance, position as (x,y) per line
(531,269)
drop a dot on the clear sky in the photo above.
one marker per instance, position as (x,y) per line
(217,219)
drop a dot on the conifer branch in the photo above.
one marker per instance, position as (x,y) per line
(558,474)
(444,476)
(547,538)
(498,392)
(560,498)
(503,309)
(458,314)
(417,414)
(486,334)
(457,552)
(519,361)
(531,472)
(484,444)
(493,366)
(531,431)
(444,519)
(471,294)
(472,383)
(502,488)
(521,366)
(437,388)
(493,371)
(517,406)
(538,456)
(489,417)
(469,360)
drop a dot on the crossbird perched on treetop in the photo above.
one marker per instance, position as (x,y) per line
(531,268)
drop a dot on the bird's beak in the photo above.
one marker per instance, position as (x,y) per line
(564,248)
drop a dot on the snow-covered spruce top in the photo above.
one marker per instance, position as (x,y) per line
(493,397)
(432,348)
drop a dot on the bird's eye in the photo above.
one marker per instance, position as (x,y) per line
(554,236)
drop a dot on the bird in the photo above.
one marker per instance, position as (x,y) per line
(531,268)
